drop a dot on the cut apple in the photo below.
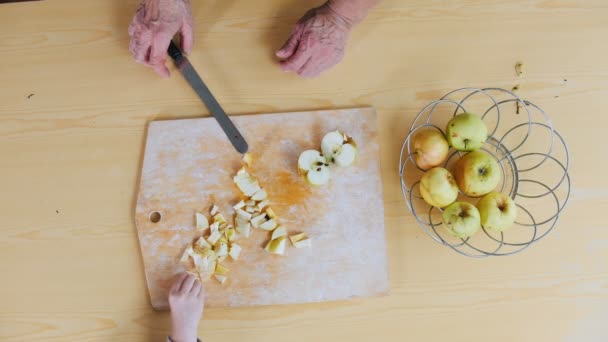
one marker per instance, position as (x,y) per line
(220,278)
(246,183)
(219,217)
(248,159)
(235,251)
(260,195)
(276,246)
(244,230)
(201,222)
(240,213)
(278,232)
(214,237)
(221,249)
(268,225)
(250,209)
(221,269)
(308,160)
(270,213)
(258,220)
(262,205)
(339,148)
(239,205)
(250,203)
(215,227)
(187,253)
(230,234)
(214,210)
(318,176)
(201,244)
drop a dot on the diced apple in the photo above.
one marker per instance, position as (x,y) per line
(269,225)
(201,222)
(240,213)
(263,204)
(235,251)
(250,209)
(215,227)
(221,269)
(220,278)
(230,234)
(258,220)
(278,232)
(250,203)
(239,205)
(248,159)
(244,230)
(214,237)
(219,217)
(187,253)
(270,213)
(247,184)
(222,258)
(201,243)
(214,210)
(260,195)
(300,240)
(276,246)
(221,249)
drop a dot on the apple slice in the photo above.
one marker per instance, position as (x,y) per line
(240,213)
(244,230)
(220,278)
(220,249)
(276,246)
(201,222)
(214,210)
(260,195)
(219,217)
(270,213)
(300,240)
(187,253)
(215,227)
(235,251)
(239,205)
(230,234)
(201,244)
(339,148)
(250,209)
(278,232)
(221,269)
(246,183)
(269,225)
(248,159)
(258,220)
(214,237)
(262,205)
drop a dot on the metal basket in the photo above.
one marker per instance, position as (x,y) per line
(534,161)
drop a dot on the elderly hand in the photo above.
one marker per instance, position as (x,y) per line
(317,42)
(154,25)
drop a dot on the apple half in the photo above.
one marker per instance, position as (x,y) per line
(312,164)
(339,148)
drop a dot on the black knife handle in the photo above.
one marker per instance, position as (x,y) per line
(174,51)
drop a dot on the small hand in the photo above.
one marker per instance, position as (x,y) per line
(186,299)
(154,25)
(317,42)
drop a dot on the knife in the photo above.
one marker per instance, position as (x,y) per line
(205,95)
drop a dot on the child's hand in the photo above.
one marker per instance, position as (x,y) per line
(186,299)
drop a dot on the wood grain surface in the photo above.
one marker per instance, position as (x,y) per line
(74,109)
(188,167)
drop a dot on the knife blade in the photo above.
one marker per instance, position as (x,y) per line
(203,92)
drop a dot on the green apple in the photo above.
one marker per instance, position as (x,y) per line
(438,187)
(497,210)
(430,148)
(466,132)
(477,173)
(461,219)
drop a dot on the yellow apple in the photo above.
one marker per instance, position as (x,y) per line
(438,187)
(461,219)
(477,173)
(430,148)
(497,211)
(466,132)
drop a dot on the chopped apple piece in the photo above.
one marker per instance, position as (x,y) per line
(235,251)
(256,214)
(246,183)
(250,209)
(244,230)
(270,213)
(187,253)
(258,220)
(214,237)
(220,278)
(215,227)
(250,203)
(219,217)
(248,159)
(300,240)
(276,246)
(268,225)
(239,205)
(201,222)
(221,249)
(278,232)
(230,234)
(221,269)
(201,243)
(260,195)
(263,204)
(214,210)
(240,213)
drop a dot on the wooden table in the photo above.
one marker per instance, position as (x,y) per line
(73,112)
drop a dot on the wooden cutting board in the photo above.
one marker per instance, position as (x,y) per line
(189,165)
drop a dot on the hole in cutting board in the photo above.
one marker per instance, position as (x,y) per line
(155,217)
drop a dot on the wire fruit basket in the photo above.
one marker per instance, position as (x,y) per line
(534,162)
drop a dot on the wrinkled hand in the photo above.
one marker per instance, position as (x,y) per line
(317,42)
(154,25)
